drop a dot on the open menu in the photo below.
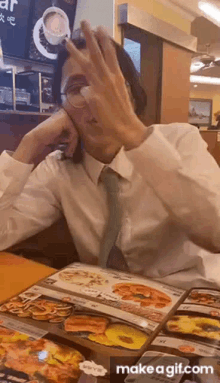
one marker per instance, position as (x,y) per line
(53,331)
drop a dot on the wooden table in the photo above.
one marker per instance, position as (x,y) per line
(17,273)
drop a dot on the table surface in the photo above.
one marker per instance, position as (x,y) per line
(17,273)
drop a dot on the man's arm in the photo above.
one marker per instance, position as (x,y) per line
(57,128)
(186,179)
(29,201)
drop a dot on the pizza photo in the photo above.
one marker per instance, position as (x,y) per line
(204,298)
(82,278)
(198,326)
(145,295)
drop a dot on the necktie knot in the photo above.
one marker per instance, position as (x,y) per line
(110,180)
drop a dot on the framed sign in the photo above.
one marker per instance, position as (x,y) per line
(200,112)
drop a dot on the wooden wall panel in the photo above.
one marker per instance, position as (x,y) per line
(175,84)
(151,60)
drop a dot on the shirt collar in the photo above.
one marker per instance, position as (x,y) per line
(120,164)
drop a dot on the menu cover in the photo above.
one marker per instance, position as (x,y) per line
(87,311)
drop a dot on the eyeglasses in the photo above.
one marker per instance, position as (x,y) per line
(74,96)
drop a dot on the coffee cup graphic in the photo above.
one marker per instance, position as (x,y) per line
(55,25)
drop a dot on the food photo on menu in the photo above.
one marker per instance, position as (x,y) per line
(82,321)
(198,317)
(126,292)
(28,355)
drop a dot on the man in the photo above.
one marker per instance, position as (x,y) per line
(169,184)
(217,118)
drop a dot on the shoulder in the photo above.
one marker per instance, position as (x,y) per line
(176,132)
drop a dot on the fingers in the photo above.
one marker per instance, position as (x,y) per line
(95,66)
(93,47)
(83,61)
(73,141)
(69,137)
(109,51)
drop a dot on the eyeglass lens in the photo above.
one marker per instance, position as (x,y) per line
(74,96)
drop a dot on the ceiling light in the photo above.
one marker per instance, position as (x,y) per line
(205,80)
(210,10)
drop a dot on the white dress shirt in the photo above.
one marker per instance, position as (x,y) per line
(169,192)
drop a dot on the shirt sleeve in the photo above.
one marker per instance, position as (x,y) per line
(186,179)
(28,200)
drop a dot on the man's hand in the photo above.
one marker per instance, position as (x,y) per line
(55,130)
(107,94)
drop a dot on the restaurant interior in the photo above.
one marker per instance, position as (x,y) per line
(170,43)
(167,41)
(175,47)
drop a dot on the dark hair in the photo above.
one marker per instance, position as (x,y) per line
(128,70)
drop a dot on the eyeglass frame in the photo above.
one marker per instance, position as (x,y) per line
(66,94)
(83,86)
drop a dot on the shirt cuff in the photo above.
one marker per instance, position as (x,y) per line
(6,160)
(14,174)
(155,158)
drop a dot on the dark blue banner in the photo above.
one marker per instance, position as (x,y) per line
(14,25)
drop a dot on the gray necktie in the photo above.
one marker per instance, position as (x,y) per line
(110,255)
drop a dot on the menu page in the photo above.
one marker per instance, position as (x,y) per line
(172,360)
(190,337)
(85,322)
(127,293)
(197,318)
(28,355)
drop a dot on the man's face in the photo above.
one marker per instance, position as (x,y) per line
(96,142)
